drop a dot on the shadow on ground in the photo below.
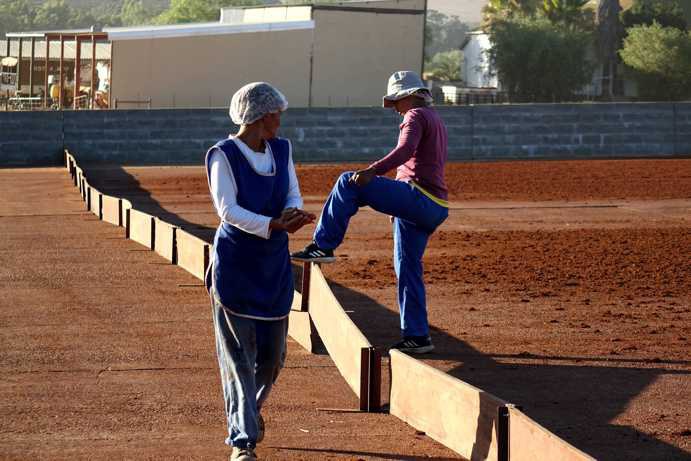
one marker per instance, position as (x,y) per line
(116,181)
(576,402)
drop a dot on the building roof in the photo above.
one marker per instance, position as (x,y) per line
(200,29)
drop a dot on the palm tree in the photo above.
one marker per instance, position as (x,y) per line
(609,32)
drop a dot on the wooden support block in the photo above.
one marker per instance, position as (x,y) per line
(452,412)
(192,253)
(301,328)
(110,210)
(87,196)
(370,380)
(306,270)
(341,337)
(529,441)
(141,228)
(165,240)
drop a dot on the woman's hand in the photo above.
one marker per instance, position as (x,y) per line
(363,177)
(291,220)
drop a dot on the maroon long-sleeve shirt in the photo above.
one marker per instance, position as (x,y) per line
(421,152)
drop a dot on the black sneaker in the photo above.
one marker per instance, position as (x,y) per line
(312,253)
(414,345)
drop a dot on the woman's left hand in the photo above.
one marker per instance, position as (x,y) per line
(363,177)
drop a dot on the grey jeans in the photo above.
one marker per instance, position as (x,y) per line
(251,354)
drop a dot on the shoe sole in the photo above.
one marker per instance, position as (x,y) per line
(324,259)
(416,350)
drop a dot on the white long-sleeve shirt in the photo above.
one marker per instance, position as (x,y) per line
(224,189)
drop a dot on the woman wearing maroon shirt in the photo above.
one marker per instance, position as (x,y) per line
(416,200)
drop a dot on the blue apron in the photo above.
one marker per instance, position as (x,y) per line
(252,276)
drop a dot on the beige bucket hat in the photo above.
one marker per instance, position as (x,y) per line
(402,84)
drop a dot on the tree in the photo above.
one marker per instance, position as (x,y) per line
(609,36)
(660,58)
(667,13)
(443,33)
(445,65)
(16,16)
(134,13)
(497,10)
(182,11)
(539,61)
(569,12)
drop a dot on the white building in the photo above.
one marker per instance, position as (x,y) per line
(476,70)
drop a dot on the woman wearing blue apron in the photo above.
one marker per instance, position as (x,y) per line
(255,191)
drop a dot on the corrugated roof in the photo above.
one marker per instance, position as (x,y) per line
(103,49)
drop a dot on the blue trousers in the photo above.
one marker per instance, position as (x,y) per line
(251,354)
(416,217)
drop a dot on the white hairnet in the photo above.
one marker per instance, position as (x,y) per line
(255,100)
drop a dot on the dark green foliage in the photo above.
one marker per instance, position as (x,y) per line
(183,11)
(667,13)
(539,61)
(660,60)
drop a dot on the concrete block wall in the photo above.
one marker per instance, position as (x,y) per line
(483,132)
(30,138)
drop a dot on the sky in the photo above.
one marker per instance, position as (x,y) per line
(467,10)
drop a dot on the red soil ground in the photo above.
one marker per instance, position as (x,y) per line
(107,352)
(564,287)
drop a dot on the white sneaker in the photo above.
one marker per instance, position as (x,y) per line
(243,454)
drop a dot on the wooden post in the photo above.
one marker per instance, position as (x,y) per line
(88,198)
(100,206)
(206,261)
(93,70)
(127,223)
(77,71)
(119,212)
(370,380)
(174,259)
(306,270)
(152,245)
(62,73)
(31,67)
(502,433)
(46,92)
(19,65)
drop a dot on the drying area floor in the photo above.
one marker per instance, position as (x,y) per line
(561,286)
(107,352)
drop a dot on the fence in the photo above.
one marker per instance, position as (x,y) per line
(493,132)
(468,420)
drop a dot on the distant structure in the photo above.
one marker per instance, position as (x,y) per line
(476,70)
(338,54)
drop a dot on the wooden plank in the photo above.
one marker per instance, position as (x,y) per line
(93,200)
(342,339)
(165,240)
(141,228)
(111,209)
(529,441)
(193,253)
(300,326)
(452,412)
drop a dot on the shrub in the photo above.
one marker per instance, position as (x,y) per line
(539,61)
(660,60)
